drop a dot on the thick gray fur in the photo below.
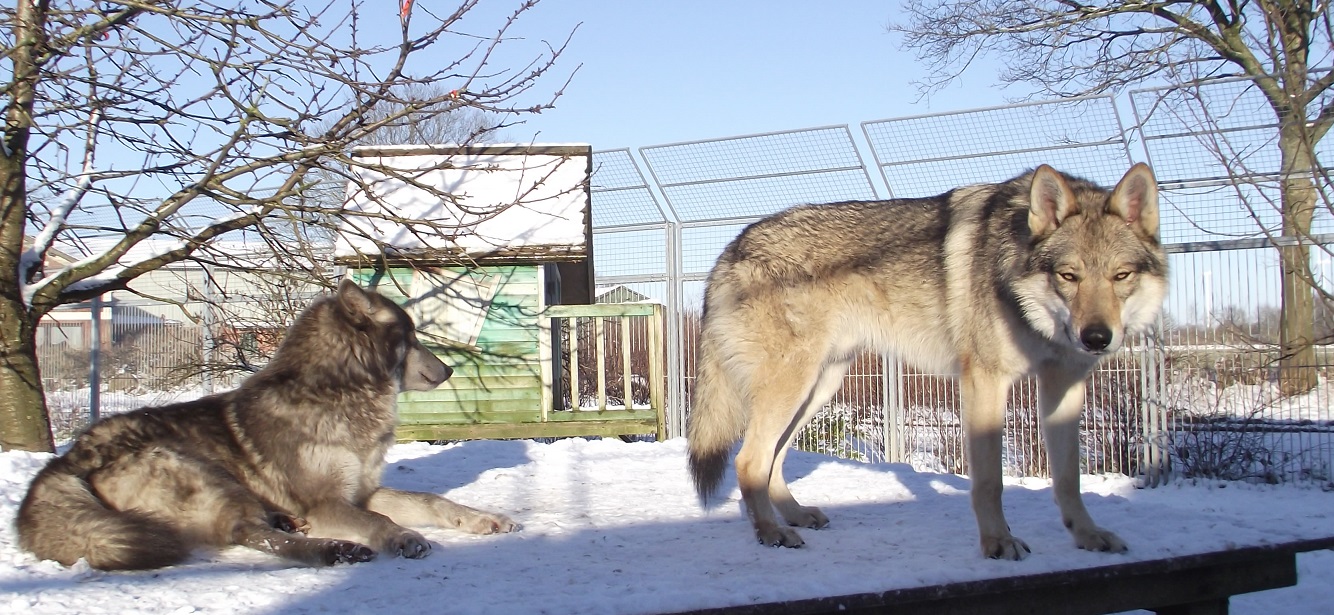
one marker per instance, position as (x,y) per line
(289,463)
(1044,274)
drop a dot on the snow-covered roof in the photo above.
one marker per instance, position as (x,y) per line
(503,200)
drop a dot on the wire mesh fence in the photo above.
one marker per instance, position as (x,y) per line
(930,154)
(756,175)
(1221,130)
(1136,402)
(112,356)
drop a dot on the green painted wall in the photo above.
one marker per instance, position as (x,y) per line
(496,381)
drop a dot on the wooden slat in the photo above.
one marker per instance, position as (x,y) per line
(605,310)
(545,354)
(524,414)
(526,430)
(492,370)
(574,363)
(600,351)
(601,415)
(485,383)
(626,393)
(656,376)
(503,409)
(530,394)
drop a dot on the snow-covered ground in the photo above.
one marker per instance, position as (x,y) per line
(611,527)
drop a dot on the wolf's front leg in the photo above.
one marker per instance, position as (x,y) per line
(983,392)
(342,520)
(1061,400)
(416,508)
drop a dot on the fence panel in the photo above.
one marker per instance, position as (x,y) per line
(930,154)
(756,175)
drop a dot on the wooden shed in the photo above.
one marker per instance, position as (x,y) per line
(506,297)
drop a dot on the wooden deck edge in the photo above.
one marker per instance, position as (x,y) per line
(1164,585)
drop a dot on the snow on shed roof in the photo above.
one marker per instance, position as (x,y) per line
(512,201)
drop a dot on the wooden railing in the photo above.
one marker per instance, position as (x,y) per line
(582,346)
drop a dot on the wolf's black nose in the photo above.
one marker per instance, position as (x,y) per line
(1096,337)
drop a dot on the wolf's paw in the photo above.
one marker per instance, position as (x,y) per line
(346,552)
(1004,547)
(771,535)
(1098,539)
(410,544)
(806,516)
(489,523)
(291,524)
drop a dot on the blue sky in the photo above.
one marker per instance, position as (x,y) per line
(662,72)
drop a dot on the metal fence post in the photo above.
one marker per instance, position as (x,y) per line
(210,344)
(676,393)
(95,360)
(895,423)
(1153,424)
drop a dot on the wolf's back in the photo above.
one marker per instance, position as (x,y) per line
(63,520)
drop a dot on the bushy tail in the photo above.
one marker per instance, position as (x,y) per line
(63,520)
(717,414)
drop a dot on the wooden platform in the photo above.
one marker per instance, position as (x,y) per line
(1188,585)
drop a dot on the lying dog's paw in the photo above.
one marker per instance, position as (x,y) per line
(346,552)
(411,545)
(291,524)
(489,523)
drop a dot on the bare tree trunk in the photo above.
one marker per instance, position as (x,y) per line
(23,417)
(1297,360)
(23,414)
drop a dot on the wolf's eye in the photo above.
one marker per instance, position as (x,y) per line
(1068,277)
(1121,276)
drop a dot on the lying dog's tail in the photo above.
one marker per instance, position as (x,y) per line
(63,520)
(717,411)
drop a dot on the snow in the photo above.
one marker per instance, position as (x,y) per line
(498,201)
(614,527)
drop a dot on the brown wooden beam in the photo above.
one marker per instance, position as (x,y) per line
(501,431)
(1191,584)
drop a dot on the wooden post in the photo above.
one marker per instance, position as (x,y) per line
(600,351)
(655,371)
(574,363)
(627,393)
(545,325)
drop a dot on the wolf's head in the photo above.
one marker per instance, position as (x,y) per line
(1096,271)
(389,339)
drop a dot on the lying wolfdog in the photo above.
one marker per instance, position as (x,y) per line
(288,463)
(1043,274)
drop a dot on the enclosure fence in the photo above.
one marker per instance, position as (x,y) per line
(1196,397)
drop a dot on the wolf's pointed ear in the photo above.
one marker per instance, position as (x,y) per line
(353,298)
(1135,199)
(1050,201)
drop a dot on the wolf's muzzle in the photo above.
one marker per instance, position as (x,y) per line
(1096,338)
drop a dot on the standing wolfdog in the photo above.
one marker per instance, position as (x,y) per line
(1043,274)
(289,463)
